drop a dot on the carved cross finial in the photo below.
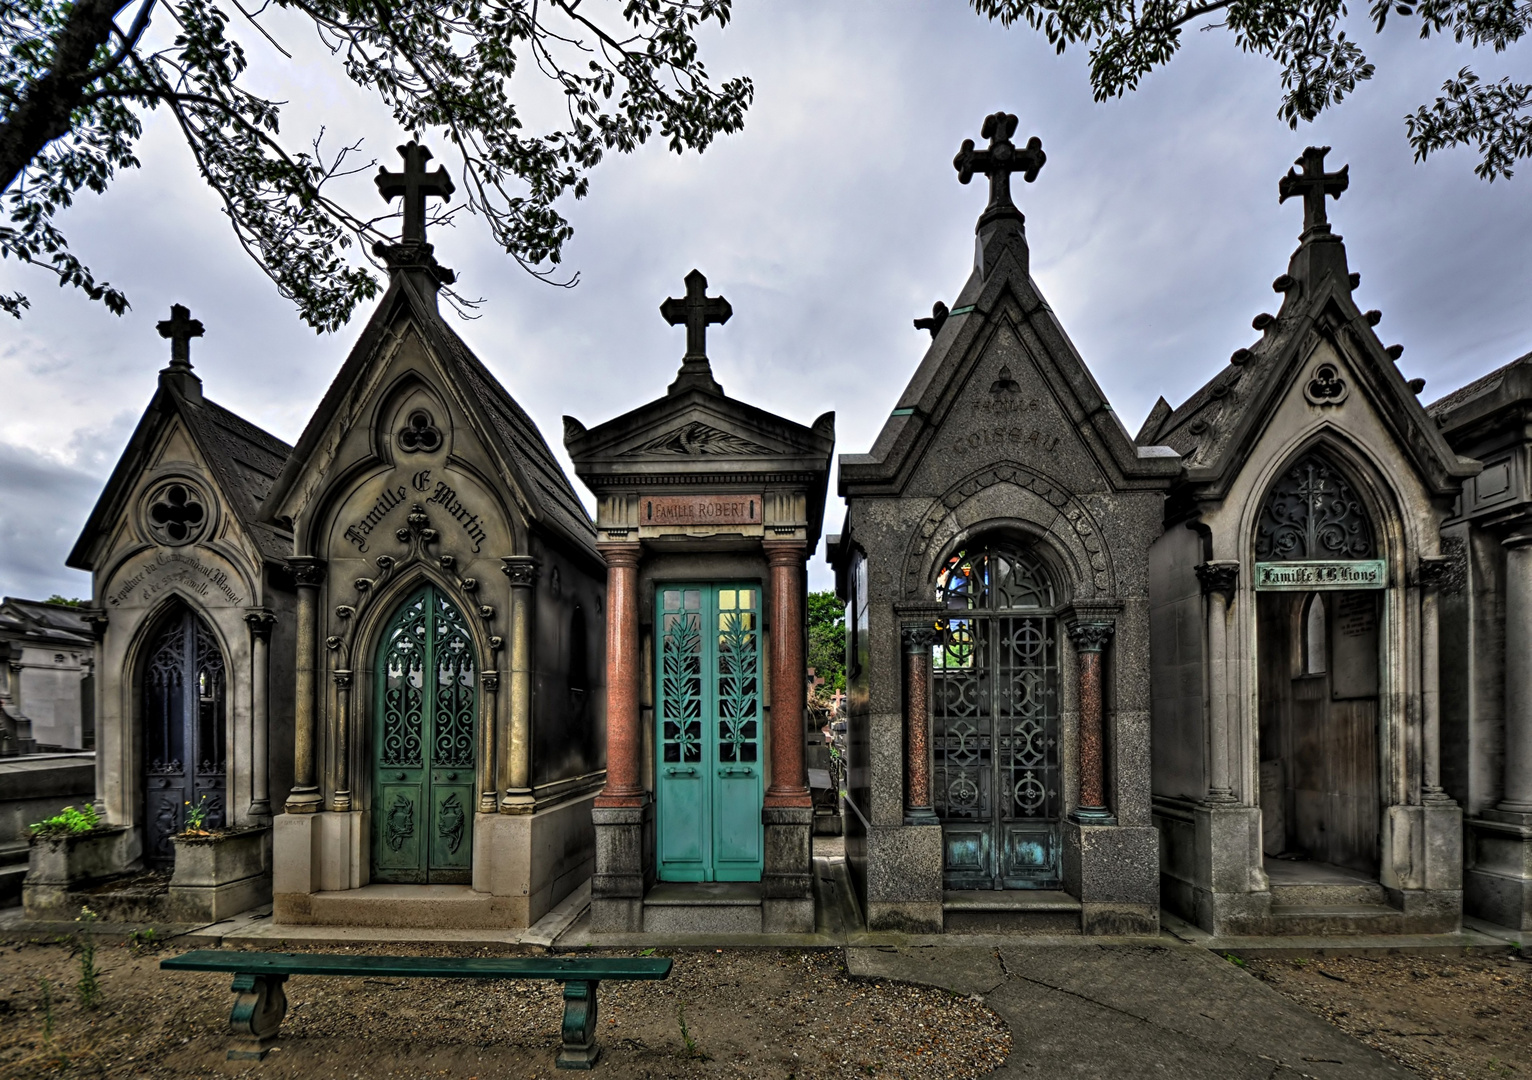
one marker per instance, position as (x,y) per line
(697,310)
(180,328)
(1313,184)
(998,161)
(415,185)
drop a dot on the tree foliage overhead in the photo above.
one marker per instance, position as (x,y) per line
(827,639)
(78,76)
(1320,64)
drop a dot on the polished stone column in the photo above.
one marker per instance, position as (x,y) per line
(260,622)
(341,802)
(516,768)
(1090,639)
(789,780)
(1517,798)
(308,573)
(917,725)
(624,659)
(1219,581)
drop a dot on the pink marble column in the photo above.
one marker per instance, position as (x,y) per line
(789,780)
(1090,639)
(917,725)
(624,738)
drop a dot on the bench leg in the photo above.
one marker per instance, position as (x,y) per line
(580,1050)
(258,1013)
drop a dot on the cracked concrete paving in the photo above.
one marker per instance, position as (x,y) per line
(1166,1010)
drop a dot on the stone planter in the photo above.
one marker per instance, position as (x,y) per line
(220,875)
(61,864)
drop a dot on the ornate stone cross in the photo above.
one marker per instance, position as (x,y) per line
(697,310)
(180,328)
(998,161)
(1313,184)
(415,185)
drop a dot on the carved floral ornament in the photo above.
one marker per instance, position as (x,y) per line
(176,512)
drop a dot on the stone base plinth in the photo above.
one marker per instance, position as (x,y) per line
(904,878)
(1497,881)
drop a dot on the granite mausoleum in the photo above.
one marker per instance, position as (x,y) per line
(994,562)
(707,509)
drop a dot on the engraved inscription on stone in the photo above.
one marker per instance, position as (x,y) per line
(660,510)
(1336,574)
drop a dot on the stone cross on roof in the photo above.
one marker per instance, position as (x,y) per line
(998,161)
(697,310)
(1313,184)
(415,185)
(180,328)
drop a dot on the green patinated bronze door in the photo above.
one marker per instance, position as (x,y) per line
(708,779)
(423,779)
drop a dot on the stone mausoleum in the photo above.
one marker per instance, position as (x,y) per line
(706,510)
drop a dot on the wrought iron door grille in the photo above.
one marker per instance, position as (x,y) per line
(995,723)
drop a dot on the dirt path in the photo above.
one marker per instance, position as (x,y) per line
(1444,1017)
(748,1013)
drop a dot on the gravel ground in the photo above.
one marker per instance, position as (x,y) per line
(1443,1017)
(747,1013)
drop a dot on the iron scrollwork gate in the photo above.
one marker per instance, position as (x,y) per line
(996,723)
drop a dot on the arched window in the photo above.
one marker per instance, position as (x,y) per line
(1316,642)
(995,717)
(1312,512)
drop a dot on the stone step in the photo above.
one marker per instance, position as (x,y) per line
(1023,911)
(1340,920)
(703,907)
(406,906)
(1328,894)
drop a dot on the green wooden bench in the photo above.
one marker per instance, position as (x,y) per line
(262,1003)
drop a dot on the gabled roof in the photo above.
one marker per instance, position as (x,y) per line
(1217,428)
(40,621)
(1000,293)
(244,461)
(1489,393)
(541,488)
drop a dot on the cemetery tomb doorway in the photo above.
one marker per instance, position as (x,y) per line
(1318,677)
(185,737)
(423,744)
(709,781)
(995,723)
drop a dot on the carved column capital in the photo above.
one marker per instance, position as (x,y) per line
(261,621)
(520,569)
(785,552)
(307,571)
(97,619)
(1219,576)
(342,679)
(918,639)
(1090,637)
(625,554)
(490,680)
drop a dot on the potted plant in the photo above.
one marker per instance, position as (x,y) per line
(70,850)
(219,871)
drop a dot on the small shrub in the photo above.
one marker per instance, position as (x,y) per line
(68,822)
(196,817)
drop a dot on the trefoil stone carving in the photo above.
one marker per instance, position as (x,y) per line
(1326,387)
(420,434)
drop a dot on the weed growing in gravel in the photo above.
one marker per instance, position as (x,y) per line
(686,1036)
(47,1014)
(140,940)
(89,988)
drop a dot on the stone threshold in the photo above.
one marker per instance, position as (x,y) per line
(1476,938)
(1011,900)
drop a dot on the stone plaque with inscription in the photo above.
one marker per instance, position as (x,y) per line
(661,510)
(1331,574)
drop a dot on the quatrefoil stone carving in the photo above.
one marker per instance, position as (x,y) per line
(177,514)
(420,434)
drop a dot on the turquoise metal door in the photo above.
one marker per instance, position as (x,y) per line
(708,777)
(423,779)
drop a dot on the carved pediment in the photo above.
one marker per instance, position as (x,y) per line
(697,439)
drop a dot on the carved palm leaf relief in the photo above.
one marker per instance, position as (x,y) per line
(697,439)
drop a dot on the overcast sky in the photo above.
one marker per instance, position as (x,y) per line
(830,222)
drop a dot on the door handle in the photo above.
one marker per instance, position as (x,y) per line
(675,770)
(452,776)
(736,770)
(398,776)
